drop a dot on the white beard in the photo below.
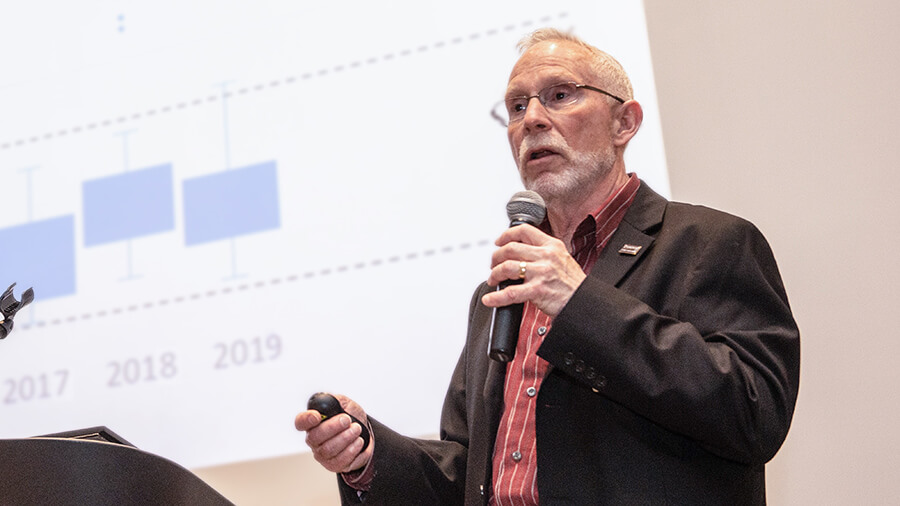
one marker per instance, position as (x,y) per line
(580,176)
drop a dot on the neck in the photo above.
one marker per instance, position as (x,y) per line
(566,213)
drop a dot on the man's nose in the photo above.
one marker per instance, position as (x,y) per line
(536,115)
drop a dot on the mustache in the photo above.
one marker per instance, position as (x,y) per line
(544,140)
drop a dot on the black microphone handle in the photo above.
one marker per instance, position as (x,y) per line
(524,207)
(505,323)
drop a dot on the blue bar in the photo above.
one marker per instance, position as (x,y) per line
(231,203)
(129,205)
(39,254)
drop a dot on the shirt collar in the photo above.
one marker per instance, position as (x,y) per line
(596,227)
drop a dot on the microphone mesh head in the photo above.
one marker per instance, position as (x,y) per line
(526,207)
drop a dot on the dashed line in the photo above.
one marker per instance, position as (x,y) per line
(273,84)
(229,290)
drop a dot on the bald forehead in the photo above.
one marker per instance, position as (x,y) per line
(545,61)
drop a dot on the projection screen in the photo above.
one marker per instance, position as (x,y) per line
(224,207)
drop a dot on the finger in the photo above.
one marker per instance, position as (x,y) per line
(515,251)
(511,270)
(525,233)
(363,457)
(513,294)
(350,459)
(307,420)
(327,430)
(334,446)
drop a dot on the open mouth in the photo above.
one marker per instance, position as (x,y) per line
(540,153)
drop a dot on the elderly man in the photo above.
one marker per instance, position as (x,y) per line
(657,360)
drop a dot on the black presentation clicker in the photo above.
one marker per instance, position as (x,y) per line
(328,406)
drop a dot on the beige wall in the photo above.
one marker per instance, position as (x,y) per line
(786,113)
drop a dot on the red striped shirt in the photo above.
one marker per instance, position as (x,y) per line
(515,455)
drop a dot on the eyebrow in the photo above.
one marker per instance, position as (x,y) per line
(557,79)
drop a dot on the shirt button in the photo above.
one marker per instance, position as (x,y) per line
(542,331)
(531,392)
(516,456)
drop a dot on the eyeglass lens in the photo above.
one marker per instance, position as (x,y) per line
(553,97)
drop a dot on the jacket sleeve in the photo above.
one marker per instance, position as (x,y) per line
(411,471)
(717,363)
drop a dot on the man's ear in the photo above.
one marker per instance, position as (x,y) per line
(628,121)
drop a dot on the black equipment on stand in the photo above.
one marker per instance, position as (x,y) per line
(9,306)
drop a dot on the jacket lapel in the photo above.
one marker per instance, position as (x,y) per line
(633,238)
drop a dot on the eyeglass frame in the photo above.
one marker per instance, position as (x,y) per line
(538,96)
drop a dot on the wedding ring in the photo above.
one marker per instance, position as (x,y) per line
(521,270)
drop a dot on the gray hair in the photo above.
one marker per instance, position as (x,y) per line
(607,68)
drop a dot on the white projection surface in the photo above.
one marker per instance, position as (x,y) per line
(224,207)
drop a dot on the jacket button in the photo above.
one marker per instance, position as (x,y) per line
(590,373)
(599,382)
(569,358)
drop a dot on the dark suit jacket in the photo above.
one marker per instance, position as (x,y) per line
(673,378)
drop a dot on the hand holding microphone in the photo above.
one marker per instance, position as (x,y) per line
(528,265)
(524,207)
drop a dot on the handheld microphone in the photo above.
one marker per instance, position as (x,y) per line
(524,207)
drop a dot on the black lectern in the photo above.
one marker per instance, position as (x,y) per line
(92,470)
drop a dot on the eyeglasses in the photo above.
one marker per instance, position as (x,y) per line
(554,98)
